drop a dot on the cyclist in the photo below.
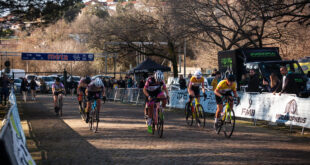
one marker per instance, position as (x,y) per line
(153,89)
(94,91)
(224,88)
(81,88)
(194,86)
(57,88)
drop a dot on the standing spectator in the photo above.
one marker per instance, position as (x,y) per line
(5,89)
(121,83)
(253,83)
(274,82)
(214,73)
(129,82)
(71,85)
(182,82)
(24,89)
(216,80)
(115,84)
(287,84)
(42,86)
(189,76)
(141,83)
(33,86)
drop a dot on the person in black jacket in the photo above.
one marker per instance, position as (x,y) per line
(33,85)
(182,82)
(253,83)
(24,88)
(287,83)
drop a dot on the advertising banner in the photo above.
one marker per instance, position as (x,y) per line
(58,56)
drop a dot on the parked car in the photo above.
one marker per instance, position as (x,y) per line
(100,76)
(48,81)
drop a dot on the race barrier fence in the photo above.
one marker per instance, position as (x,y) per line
(287,109)
(13,148)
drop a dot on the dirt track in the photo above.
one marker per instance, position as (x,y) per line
(122,139)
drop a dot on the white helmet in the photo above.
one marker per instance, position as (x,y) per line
(159,76)
(198,74)
(98,82)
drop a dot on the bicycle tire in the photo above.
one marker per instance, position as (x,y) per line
(160,125)
(60,106)
(95,120)
(230,124)
(90,121)
(201,115)
(188,115)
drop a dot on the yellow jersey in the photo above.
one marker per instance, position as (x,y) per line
(223,87)
(196,82)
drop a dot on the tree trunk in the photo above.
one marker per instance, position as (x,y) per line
(173,59)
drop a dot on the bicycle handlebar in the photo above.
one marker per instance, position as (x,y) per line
(235,100)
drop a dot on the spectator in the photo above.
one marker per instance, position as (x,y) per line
(129,82)
(71,86)
(42,86)
(182,82)
(216,80)
(189,76)
(33,86)
(253,84)
(121,83)
(274,82)
(287,84)
(141,83)
(5,89)
(24,89)
(114,82)
(214,73)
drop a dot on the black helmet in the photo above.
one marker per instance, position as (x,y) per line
(87,79)
(231,78)
(57,79)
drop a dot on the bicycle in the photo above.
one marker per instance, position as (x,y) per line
(195,112)
(94,117)
(227,119)
(158,117)
(59,102)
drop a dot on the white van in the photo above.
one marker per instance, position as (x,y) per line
(18,73)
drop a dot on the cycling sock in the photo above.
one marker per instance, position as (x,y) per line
(216,120)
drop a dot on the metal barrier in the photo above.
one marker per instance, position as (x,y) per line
(12,138)
(126,95)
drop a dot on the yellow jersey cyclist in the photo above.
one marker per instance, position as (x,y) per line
(224,88)
(94,91)
(194,86)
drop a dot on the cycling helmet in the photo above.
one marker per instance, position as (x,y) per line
(87,80)
(159,76)
(98,82)
(198,74)
(231,78)
(57,79)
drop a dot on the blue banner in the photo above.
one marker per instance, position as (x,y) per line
(58,56)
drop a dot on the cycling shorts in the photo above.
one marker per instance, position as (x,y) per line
(94,96)
(196,91)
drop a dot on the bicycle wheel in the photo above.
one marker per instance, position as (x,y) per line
(188,115)
(160,124)
(95,120)
(229,123)
(201,115)
(90,121)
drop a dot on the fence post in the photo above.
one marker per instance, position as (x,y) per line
(302,131)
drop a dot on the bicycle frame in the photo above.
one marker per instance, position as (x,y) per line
(196,107)
(227,110)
